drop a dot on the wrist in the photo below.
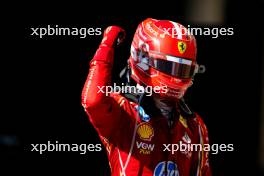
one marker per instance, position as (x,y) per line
(104,54)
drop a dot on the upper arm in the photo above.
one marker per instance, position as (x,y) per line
(105,116)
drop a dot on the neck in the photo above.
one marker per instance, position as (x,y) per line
(166,107)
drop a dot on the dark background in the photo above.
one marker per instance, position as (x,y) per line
(43,79)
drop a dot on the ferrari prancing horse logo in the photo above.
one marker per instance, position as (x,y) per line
(182,47)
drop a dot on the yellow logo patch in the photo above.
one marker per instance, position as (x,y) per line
(145,131)
(183,121)
(182,47)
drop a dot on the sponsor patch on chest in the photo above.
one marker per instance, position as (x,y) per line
(144,148)
(145,131)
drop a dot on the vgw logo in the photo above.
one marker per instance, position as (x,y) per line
(171,170)
(145,148)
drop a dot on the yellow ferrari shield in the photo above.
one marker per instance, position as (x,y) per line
(181,47)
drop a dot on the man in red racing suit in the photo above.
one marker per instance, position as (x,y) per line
(136,146)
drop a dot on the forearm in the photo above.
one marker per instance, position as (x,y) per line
(99,76)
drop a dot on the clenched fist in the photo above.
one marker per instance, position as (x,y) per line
(113,36)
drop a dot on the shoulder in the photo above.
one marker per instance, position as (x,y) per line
(123,102)
(119,99)
(203,132)
(189,114)
(201,122)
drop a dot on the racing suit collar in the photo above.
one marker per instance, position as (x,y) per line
(168,109)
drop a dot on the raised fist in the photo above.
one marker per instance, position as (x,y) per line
(113,36)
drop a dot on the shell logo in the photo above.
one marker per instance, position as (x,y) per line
(145,131)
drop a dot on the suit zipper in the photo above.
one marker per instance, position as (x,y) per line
(170,132)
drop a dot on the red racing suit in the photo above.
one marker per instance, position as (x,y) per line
(136,147)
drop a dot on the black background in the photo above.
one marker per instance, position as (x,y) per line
(43,79)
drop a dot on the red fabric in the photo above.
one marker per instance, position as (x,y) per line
(114,118)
